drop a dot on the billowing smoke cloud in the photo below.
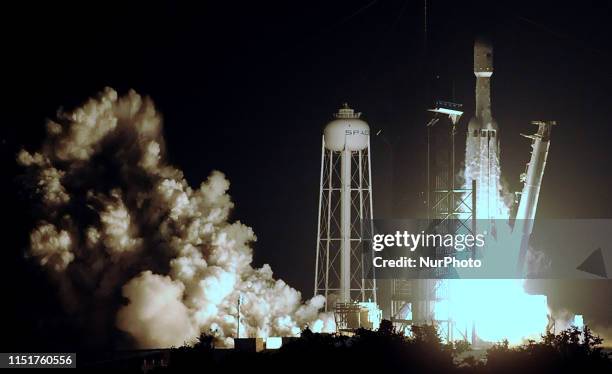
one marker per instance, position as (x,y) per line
(126,239)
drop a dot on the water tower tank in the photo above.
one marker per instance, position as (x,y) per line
(347,130)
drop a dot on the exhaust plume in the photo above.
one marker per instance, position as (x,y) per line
(128,242)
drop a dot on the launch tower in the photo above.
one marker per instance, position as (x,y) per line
(449,210)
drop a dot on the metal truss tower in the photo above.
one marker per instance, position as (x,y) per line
(343,272)
(449,210)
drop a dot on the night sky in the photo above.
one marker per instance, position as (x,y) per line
(246,88)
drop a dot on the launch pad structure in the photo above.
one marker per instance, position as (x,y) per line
(453,210)
(449,210)
(344,272)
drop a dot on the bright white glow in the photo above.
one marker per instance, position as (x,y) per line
(274,342)
(374,314)
(496,309)
(578,321)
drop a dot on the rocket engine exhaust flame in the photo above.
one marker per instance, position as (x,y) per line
(115,220)
(499,308)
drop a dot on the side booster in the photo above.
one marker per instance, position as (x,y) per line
(532,180)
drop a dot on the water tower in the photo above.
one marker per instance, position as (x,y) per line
(344,273)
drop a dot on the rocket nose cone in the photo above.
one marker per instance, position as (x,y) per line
(483,57)
(483,42)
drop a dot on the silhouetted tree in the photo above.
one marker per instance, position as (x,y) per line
(389,350)
(573,349)
(386,328)
(205,342)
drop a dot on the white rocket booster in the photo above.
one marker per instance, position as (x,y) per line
(532,179)
(482,143)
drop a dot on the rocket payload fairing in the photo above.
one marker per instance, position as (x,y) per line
(482,148)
